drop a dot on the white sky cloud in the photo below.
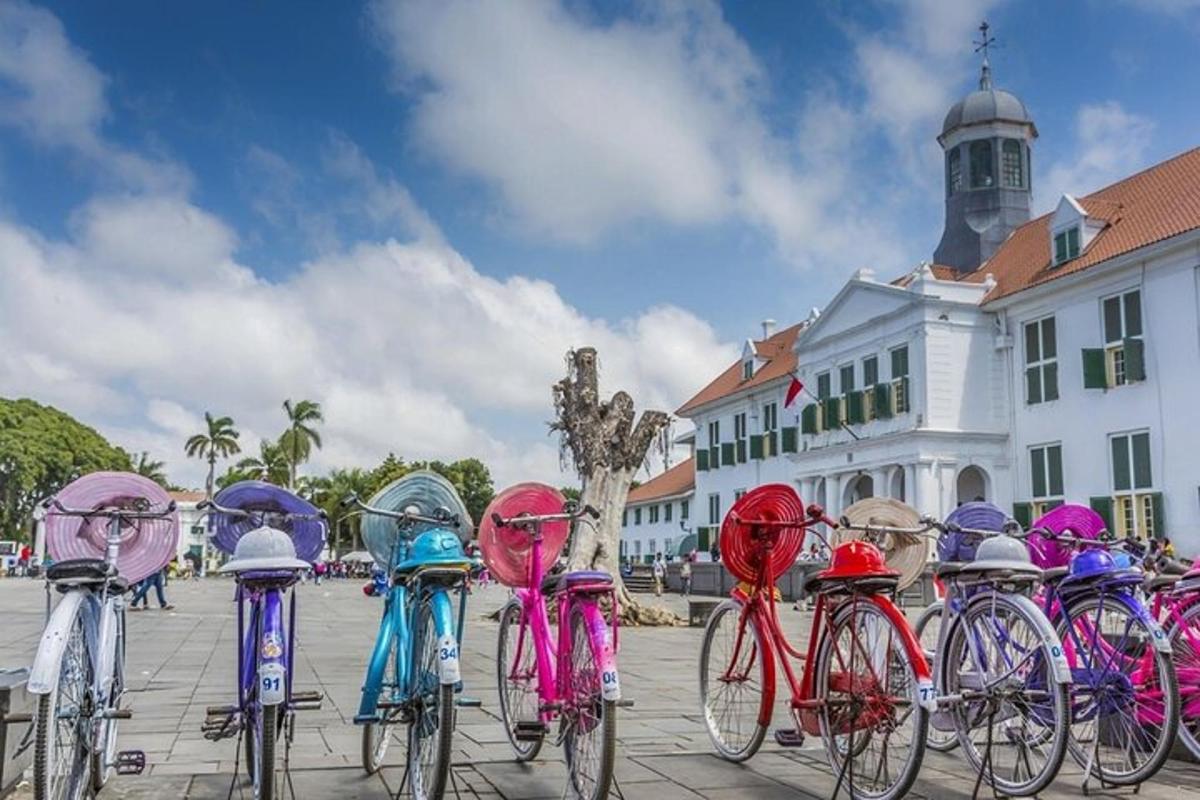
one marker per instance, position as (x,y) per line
(1110,143)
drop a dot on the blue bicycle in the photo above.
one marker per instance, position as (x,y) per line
(414,528)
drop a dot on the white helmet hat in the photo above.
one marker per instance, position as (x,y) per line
(1002,553)
(264,549)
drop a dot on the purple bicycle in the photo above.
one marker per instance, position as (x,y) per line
(265,528)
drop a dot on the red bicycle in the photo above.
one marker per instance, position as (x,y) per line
(866,689)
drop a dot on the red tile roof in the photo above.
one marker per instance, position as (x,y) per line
(781,360)
(187,497)
(1147,207)
(679,479)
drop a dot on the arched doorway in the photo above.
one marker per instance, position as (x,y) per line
(972,484)
(899,490)
(859,488)
(818,494)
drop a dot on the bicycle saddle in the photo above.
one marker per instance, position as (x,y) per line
(84,572)
(561,581)
(1152,583)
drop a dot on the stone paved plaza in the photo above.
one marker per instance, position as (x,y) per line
(182,661)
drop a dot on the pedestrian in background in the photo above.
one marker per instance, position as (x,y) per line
(685,574)
(155,581)
(660,574)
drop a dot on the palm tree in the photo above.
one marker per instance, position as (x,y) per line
(328,495)
(148,468)
(300,437)
(271,465)
(220,440)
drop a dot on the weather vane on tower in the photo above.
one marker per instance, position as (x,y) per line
(981,46)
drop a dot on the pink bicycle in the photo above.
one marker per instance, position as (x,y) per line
(573,680)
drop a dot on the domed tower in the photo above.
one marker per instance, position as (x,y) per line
(986,138)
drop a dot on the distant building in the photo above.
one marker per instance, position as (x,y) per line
(193,534)
(658,516)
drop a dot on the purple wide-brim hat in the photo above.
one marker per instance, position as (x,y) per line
(976,515)
(308,535)
(146,545)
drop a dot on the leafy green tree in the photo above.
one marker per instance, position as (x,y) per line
(219,440)
(270,465)
(327,493)
(571,492)
(152,469)
(41,450)
(301,435)
(473,481)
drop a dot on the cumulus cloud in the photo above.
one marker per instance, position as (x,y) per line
(1110,143)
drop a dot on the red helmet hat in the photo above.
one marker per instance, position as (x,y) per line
(744,554)
(857,559)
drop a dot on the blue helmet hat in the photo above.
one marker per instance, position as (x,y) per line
(1091,563)
(434,546)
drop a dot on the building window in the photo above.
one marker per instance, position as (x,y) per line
(1123,336)
(981,164)
(667,508)
(667,547)
(624,549)
(637,549)
(737,494)
(870,367)
(714,509)
(824,389)
(653,543)
(1066,245)
(747,370)
(954,171)
(683,509)
(847,378)
(714,444)
(652,512)
(1134,500)
(1041,361)
(1046,474)
(770,417)
(625,519)
(1011,168)
(739,437)
(899,356)
(637,516)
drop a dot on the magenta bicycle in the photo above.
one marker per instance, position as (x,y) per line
(570,679)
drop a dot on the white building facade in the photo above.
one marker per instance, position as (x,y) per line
(658,517)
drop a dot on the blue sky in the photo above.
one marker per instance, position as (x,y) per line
(356,182)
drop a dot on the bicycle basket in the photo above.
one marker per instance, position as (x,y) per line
(904,553)
(1080,520)
(308,535)
(960,547)
(507,550)
(147,545)
(427,491)
(744,555)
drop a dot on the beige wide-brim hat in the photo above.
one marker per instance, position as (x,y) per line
(903,553)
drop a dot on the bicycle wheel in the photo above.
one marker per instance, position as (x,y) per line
(1185,654)
(517,680)
(733,694)
(377,736)
(1124,699)
(104,753)
(998,655)
(928,628)
(589,721)
(871,722)
(62,734)
(432,724)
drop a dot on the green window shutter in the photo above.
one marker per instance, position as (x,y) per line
(856,414)
(791,440)
(808,419)
(771,443)
(741,451)
(702,460)
(714,457)
(727,453)
(1135,359)
(883,400)
(704,544)
(1060,248)
(1054,468)
(1104,507)
(1073,242)
(1160,519)
(1023,514)
(907,397)
(756,447)
(1141,461)
(833,413)
(1033,385)
(1094,374)
(1050,381)
(1122,480)
(1037,464)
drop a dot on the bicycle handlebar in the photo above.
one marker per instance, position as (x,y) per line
(441,516)
(814,514)
(143,512)
(1104,540)
(260,514)
(571,512)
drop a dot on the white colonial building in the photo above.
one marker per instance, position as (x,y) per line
(658,516)
(1035,362)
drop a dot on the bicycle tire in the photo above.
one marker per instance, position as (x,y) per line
(75,675)
(825,679)
(1169,690)
(270,732)
(429,784)
(744,747)
(377,735)
(941,741)
(510,618)
(1049,722)
(585,675)
(1188,677)
(105,751)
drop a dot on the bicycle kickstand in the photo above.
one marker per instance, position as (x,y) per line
(986,764)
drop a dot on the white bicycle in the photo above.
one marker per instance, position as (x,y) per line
(79,671)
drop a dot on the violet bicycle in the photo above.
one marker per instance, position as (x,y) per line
(273,536)
(571,678)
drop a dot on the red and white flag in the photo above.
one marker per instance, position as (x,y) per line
(794,390)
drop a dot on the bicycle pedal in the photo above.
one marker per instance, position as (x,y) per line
(221,711)
(530,731)
(117,713)
(468,702)
(307,697)
(789,737)
(131,762)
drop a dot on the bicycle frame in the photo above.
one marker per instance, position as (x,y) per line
(1169,607)
(266,645)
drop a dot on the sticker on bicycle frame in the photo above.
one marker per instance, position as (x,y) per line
(927,695)
(447,656)
(272,646)
(610,685)
(1158,637)
(271,683)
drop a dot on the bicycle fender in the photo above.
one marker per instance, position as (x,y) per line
(43,678)
(927,693)
(1045,631)
(449,671)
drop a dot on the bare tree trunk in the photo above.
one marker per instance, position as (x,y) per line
(606,448)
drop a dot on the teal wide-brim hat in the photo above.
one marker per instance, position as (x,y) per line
(427,491)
